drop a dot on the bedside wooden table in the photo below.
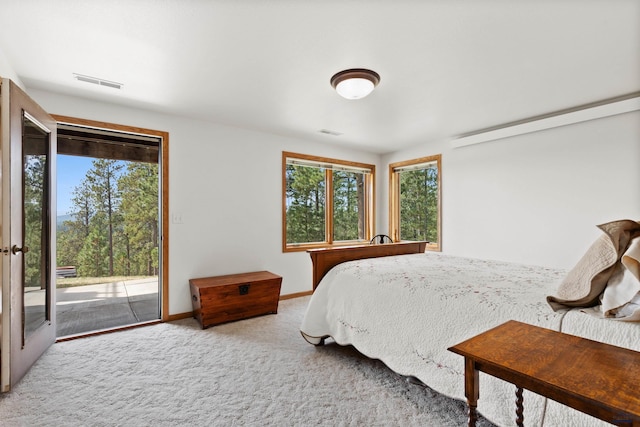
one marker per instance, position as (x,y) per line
(595,378)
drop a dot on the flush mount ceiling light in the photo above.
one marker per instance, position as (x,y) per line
(355,83)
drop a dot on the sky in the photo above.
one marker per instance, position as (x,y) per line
(71,170)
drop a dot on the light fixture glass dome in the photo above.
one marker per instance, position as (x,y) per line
(354,88)
(355,83)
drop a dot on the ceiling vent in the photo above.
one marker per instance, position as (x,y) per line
(329,132)
(97,81)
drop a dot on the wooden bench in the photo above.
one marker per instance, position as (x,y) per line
(595,378)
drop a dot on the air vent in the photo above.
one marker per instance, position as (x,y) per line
(329,132)
(97,81)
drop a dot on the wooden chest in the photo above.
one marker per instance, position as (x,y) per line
(222,299)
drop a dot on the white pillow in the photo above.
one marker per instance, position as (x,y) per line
(630,312)
(624,285)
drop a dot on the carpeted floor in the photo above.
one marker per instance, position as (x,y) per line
(254,372)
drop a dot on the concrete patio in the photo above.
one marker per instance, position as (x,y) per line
(89,308)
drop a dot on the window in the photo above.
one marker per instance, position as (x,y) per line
(325,202)
(415,200)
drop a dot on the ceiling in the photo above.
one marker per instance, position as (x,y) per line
(447,67)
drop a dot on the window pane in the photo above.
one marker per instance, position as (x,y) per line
(305,204)
(348,206)
(36,282)
(419,204)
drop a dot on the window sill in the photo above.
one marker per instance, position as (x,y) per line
(306,246)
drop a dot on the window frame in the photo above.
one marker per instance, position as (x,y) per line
(369,202)
(394,198)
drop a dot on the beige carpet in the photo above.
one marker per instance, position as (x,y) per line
(253,372)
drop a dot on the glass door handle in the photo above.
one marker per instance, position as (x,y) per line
(15,249)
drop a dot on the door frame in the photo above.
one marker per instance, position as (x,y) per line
(164,184)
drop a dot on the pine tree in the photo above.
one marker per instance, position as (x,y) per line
(35,226)
(102,181)
(306,203)
(139,210)
(419,205)
(115,228)
(348,205)
(73,233)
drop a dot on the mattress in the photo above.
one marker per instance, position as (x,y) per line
(407,310)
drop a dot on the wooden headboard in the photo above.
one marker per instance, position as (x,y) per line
(326,258)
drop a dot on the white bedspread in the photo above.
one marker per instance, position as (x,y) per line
(407,310)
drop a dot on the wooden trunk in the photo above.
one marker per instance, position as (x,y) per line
(222,299)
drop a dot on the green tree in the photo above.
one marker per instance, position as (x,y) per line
(115,229)
(88,240)
(73,233)
(348,205)
(93,255)
(306,204)
(102,181)
(36,202)
(139,211)
(419,204)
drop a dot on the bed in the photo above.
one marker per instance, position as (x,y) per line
(406,310)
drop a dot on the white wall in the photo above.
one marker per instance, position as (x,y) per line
(226,183)
(7,71)
(535,198)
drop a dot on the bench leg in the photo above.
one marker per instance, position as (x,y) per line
(471,389)
(519,408)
